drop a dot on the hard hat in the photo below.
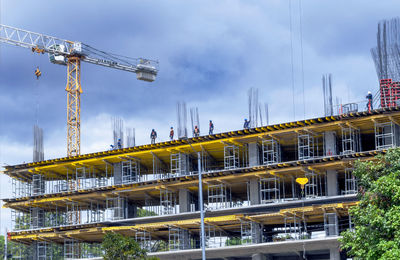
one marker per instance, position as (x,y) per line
(369,92)
(171,127)
(245,119)
(210,120)
(152,129)
(119,139)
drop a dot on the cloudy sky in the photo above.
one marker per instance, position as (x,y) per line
(210,54)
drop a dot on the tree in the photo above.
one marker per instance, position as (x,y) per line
(117,246)
(376,233)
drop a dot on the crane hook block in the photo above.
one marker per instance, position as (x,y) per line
(38,73)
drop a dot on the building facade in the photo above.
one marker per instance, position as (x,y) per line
(254,207)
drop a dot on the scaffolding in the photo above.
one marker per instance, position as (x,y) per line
(307,146)
(38,184)
(214,237)
(37,218)
(144,239)
(331,226)
(270,189)
(20,220)
(72,214)
(71,249)
(43,252)
(167,202)
(293,228)
(82,178)
(271,151)
(95,213)
(178,238)
(179,164)
(312,188)
(219,196)
(249,232)
(21,251)
(130,171)
(351,142)
(115,208)
(20,188)
(231,157)
(350,182)
(386,135)
(159,169)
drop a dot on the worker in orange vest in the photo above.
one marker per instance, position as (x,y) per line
(369,104)
(196,131)
(171,134)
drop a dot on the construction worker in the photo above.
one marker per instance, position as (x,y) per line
(246,124)
(369,98)
(38,73)
(171,133)
(196,131)
(153,136)
(119,143)
(111,147)
(211,129)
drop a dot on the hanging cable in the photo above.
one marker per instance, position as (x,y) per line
(291,55)
(302,60)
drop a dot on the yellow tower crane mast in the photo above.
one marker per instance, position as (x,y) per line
(71,54)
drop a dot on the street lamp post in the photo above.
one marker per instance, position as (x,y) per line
(203,240)
(202,235)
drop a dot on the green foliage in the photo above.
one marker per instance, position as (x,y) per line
(376,218)
(145,213)
(117,246)
(2,247)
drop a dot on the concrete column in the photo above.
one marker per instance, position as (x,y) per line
(332,183)
(257,231)
(117,173)
(254,158)
(254,191)
(330,143)
(258,256)
(334,254)
(184,200)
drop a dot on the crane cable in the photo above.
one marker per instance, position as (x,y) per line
(291,56)
(302,57)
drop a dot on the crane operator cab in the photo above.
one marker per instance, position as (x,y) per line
(146,70)
(56,57)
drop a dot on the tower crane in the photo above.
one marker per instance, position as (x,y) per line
(69,53)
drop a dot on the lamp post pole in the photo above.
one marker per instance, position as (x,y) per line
(203,240)
(202,235)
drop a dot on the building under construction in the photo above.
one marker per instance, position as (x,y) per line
(254,208)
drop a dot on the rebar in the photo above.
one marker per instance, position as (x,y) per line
(386,54)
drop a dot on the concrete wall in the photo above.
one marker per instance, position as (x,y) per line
(254,154)
(332,183)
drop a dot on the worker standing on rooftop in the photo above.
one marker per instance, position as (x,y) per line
(196,131)
(369,104)
(246,124)
(211,129)
(171,133)
(119,143)
(153,136)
